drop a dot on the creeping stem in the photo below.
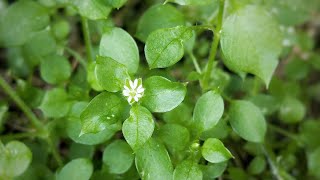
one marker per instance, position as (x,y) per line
(214,46)
(87,40)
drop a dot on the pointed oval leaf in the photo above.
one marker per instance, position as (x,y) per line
(162,95)
(110,74)
(103,110)
(77,169)
(153,161)
(174,136)
(138,128)
(247,121)
(208,111)
(158,17)
(247,47)
(118,156)
(117,44)
(187,170)
(165,47)
(214,151)
(92,9)
(14,159)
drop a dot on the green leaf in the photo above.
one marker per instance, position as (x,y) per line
(116,3)
(257,165)
(55,103)
(313,162)
(20,21)
(187,170)
(267,103)
(191,2)
(77,169)
(117,44)
(61,29)
(212,171)
(162,95)
(165,47)
(55,69)
(308,129)
(247,121)
(138,128)
(208,111)
(220,131)
(214,151)
(291,110)
(92,78)
(153,162)
(174,136)
(92,9)
(247,47)
(110,74)
(103,110)
(118,156)
(179,115)
(14,160)
(74,127)
(158,17)
(80,151)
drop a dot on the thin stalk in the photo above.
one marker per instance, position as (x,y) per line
(77,56)
(284,132)
(26,110)
(272,161)
(87,40)
(54,152)
(19,135)
(214,46)
(195,62)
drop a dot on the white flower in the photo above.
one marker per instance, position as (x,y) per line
(133,90)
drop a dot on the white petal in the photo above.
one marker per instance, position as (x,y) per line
(129,99)
(140,90)
(131,84)
(126,88)
(139,95)
(135,83)
(136,98)
(126,92)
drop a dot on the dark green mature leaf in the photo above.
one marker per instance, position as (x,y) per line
(212,171)
(187,170)
(313,162)
(174,136)
(21,21)
(138,128)
(247,47)
(102,111)
(214,151)
(165,47)
(118,156)
(257,165)
(162,95)
(291,110)
(55,103)
(208,111)
(116,3)
(14,159)
(55,69)
(120,46)
(153,161)
(74,127)
(110,74)
(92,78)
(247,121)
(308,129)
(158,17)
(77,169)
(92,9)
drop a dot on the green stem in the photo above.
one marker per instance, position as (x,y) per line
(19,135)
(195,62)
(284,132)
(272,161)
(26,110)
(54,152)
(77,56)
(87,40)
(214,46)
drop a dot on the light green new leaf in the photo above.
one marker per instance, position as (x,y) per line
(118,157)
(158,17)
(208,111)
(77,169)
(214,151)
(153,162)
(55,69)
(103,110)
(162,95)
(14,159)
(291,110)
(247,121)
(55,103)
(110,74)
(191,2)
(117,44)
(187,170)
(92,78)
(165,47)
(20,21)
(116,3)
(92,9)
(174,136)
(138,128)
(251,42)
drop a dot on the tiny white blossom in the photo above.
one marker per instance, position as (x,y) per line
(133,90)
